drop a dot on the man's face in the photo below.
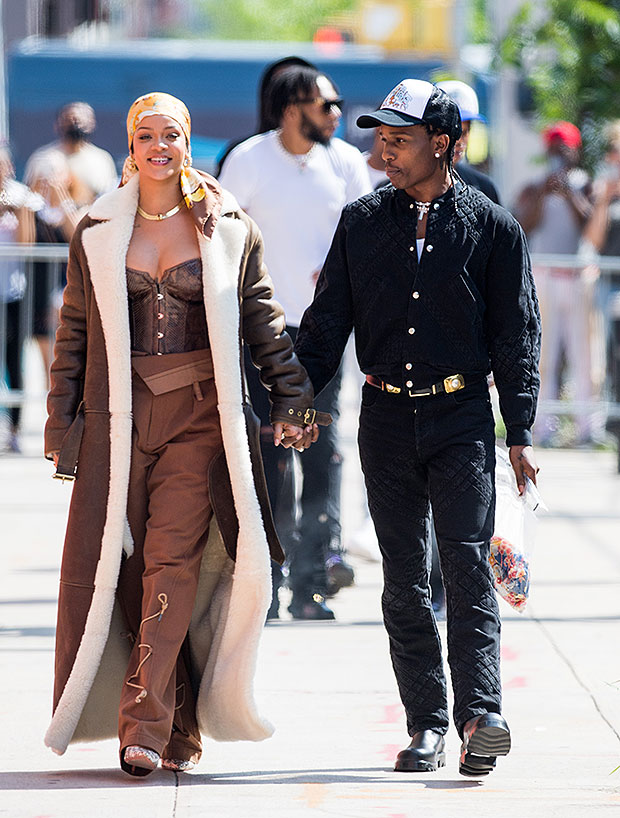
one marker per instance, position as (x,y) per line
(561,155)
(460,148)
(320,114)
(408,154)
(76,122)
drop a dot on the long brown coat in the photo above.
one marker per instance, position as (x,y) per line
(92,361)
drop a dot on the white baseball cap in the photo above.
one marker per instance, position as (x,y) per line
(414,102)
(465,97)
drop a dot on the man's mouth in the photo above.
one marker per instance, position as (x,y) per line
(390,170)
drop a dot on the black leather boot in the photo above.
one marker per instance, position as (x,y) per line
(313,608)
(484,738)
(424,755)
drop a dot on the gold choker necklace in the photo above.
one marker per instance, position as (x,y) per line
(158,217)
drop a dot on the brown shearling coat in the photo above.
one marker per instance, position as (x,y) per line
(92,363)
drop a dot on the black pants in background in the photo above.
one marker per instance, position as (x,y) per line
(14,354)
(439,449)
(309,535)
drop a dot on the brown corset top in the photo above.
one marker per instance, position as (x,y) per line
(167,315)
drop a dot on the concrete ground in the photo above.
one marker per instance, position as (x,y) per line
(329,687)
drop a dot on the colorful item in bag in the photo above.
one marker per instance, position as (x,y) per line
(511,570)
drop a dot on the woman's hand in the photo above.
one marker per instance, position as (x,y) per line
(299,437)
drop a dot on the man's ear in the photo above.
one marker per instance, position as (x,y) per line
(290,113)
(441,143)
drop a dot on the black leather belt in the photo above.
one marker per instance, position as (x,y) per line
(450,384)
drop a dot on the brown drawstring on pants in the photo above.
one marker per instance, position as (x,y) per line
(163,599)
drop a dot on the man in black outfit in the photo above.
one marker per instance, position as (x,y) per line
(435,280)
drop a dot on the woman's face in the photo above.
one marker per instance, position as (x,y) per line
(159,147)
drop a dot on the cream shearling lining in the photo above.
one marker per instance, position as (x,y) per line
(233,624)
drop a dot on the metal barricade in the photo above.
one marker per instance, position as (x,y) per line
(593,285)
(31,282)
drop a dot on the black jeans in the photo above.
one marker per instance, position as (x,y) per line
(438,449)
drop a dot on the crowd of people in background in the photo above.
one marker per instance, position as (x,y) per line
(293,177)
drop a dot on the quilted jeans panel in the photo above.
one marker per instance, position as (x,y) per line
(436,451)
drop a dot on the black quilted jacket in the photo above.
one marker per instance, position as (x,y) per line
(468,306)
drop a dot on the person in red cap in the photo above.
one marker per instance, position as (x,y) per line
(553,213)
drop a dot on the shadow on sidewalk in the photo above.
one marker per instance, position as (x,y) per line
(113,778)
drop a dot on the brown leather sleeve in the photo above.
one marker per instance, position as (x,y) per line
(270,346)
(67,372)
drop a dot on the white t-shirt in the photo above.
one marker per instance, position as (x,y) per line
(296,208)
(93,166)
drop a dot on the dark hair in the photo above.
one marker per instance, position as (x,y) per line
(290,86)
(266,121)
(449,154)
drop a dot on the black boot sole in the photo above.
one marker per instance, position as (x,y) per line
(490,739)
(476,765)
(418,765)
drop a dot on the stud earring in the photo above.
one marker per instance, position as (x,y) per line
(437,154)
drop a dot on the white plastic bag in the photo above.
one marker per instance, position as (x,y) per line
(515,531)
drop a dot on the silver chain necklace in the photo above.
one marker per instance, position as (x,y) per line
(422,208)
(301,160)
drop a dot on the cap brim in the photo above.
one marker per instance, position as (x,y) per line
(467,116)
(385,116)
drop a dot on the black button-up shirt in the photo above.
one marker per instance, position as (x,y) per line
(468,306)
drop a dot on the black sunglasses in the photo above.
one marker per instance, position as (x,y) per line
(326,105)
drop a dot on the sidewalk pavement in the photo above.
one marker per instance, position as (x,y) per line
(330,690)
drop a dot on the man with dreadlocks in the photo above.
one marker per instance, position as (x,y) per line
(435,280)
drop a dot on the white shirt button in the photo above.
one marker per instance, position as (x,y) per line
(435,206)
(409,384)
(429,248)
(408,366)
(160,334)
(411,249)
(416,295)
(159,296)
(160,315)
(411,206)
(411,330)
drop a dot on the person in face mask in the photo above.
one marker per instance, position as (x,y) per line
(553,212)
(69,174)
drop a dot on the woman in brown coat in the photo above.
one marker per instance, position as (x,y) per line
(157,628)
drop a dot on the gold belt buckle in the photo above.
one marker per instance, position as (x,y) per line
(309,417)
(68,477)
(453,383)
(393,389)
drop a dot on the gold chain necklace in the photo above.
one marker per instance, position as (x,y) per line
(158,217)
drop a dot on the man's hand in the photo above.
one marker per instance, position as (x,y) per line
(300,437)
(524,464)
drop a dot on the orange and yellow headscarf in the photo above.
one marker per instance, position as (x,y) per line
(191,181)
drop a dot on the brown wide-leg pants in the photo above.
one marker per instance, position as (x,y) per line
(175,437)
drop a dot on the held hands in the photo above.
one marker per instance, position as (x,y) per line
(524,464)
(299,437)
